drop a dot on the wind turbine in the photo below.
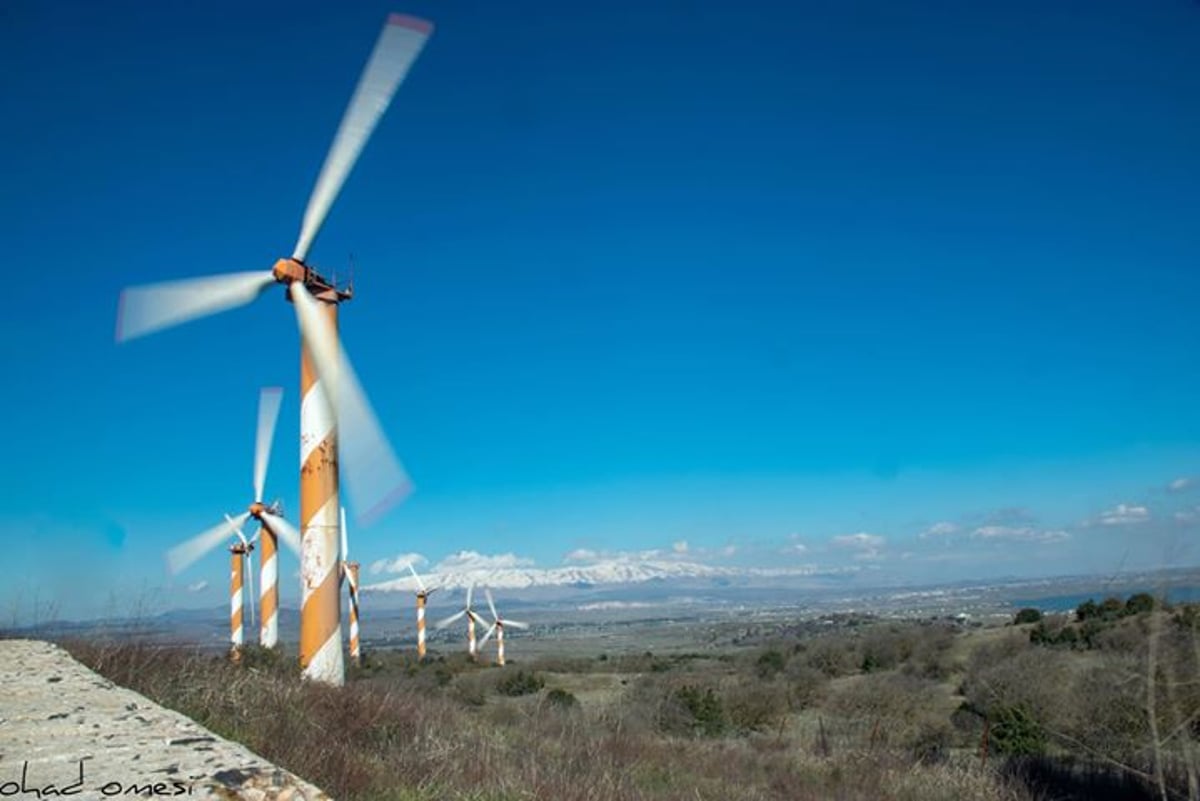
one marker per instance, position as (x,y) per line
(241,562)
(351,571)
(422,595)
(498,628)
(333,405)
(472,619)
(272,523)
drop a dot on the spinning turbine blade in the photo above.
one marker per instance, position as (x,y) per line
(420,583)
(470,590)
(487,636)
(441,624)
(398,46)
(491,604)
(185,553)
(268,413)
(373,475)
(237,529)
(516,624)
(345,541)
(283,530)
(143,309)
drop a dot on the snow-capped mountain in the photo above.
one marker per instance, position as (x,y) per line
(599,573)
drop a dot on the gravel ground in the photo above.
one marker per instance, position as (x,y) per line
(65,730)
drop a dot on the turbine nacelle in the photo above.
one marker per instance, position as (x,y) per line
(258,509)
(288,271)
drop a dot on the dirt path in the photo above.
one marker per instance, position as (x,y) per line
(65,730)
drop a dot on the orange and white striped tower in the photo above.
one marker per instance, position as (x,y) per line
(423,594)
(471,618)
(237,553)
(320,609)
(355,649)
(421,597)
(268,631)
(374,475)
(498,628)
(471,635)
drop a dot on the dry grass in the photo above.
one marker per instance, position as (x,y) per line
(420,733)
(882,711)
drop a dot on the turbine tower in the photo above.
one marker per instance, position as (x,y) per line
(351,571)
(239,552)
(498,629)
(270,520)
(334,411)
(472,619)
(422,596)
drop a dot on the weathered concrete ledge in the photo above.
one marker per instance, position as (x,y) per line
(65,730)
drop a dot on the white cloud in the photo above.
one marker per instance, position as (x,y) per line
(794,548)
(397,564)
(728,550)
(1019,534)
(473,560)
(858,541)
(1123,514)
(1180,484)
(1188,515)
(866,546)
(582,555)
(680,546)
(942,529)
(198,586)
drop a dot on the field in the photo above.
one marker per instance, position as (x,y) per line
(1102,706)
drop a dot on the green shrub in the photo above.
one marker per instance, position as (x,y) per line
(769,663)
(1027,615)
(520,683)
(561,699)
(1111,608)
(1140,603)
(1015,731)
(703,707)
(1087,610)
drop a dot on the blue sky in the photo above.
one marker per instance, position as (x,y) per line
(627,275)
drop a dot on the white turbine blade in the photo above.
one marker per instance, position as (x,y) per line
(491,604)
(398,46)
(420,583)
(470,590)
(283,530)
(237,529)
(487,636)
(478,618)
(144,309)
(441,624)
(182,555)
(268,413)
(345,539)
(516,624)
(373,476)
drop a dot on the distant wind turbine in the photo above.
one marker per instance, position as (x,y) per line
(498,628)
(472,619)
